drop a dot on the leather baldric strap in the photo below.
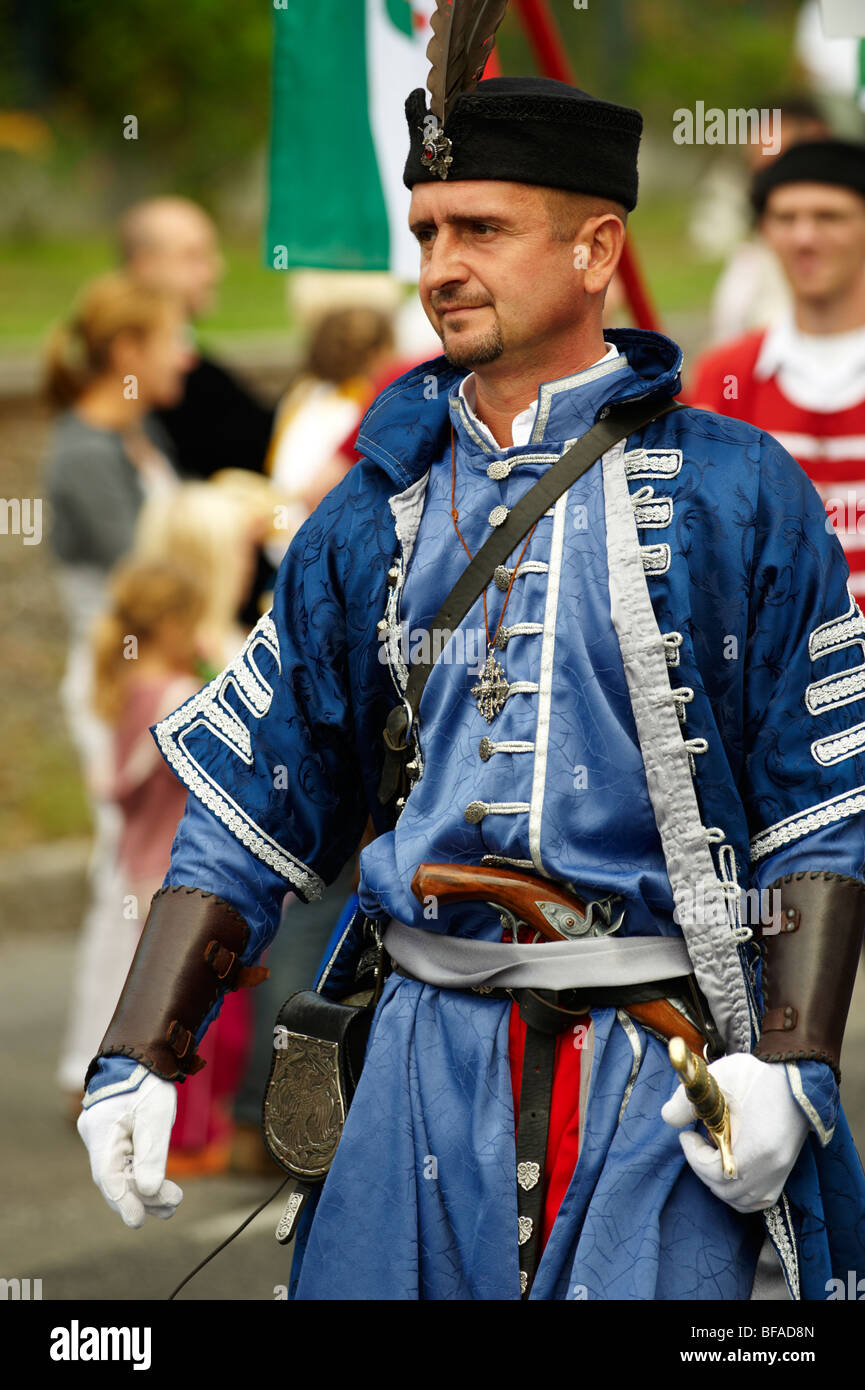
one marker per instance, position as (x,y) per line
(536,1098)
(809,967)
(614,424)
(188,956)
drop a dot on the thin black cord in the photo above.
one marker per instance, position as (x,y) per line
(242,1227)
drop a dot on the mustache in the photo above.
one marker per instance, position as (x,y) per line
(442,305)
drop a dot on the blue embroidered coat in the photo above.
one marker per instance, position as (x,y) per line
(684,666)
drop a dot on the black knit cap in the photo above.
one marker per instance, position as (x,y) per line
(812,161)
(532,130)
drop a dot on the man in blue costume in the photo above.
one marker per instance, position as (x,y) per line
(663,709)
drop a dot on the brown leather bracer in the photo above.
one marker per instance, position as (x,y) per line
(809,967)
(188,956)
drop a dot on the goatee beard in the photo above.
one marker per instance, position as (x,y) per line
(477,352)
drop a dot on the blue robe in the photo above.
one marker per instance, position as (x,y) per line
(686,661)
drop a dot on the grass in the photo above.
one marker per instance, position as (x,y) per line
(39,279)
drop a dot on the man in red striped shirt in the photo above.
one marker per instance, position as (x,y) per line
(803,379)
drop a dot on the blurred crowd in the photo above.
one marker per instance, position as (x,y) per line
(174,493)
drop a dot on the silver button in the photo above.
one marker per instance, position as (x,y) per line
(503,636)
(485,749)
(502,577)
(498,470)
(475,812)
(498,515)
(383,627)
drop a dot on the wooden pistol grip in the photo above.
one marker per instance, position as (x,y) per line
(518,892)
(666,1020)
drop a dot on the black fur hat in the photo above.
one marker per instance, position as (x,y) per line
(528,130)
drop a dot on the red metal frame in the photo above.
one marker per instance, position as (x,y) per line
(549,52)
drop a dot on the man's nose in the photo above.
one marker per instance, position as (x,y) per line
(446,262)
(804,231)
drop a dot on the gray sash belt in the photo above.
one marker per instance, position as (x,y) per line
(455,962)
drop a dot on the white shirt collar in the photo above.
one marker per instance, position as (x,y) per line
(523,423)
(817,371)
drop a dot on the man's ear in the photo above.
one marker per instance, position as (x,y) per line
(604,237)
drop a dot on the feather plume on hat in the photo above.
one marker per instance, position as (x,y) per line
(463,34)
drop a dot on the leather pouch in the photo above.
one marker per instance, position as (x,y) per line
(318,1053)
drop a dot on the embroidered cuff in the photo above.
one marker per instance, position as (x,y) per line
(113,1077)
(815,1091)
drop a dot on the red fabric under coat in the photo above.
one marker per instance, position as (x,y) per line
(564,1134)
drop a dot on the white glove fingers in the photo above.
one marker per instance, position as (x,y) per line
(677,1111)
(110,1162)
(131,1209)
(151,1138)
(702,1156)
(164,1203)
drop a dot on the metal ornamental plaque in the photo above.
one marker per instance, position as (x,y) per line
(304,1110)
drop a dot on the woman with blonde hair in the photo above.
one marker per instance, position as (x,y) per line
(119,354)
(214,527)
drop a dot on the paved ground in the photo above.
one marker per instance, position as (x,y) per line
(54,1225)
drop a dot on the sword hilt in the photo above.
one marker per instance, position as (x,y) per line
(707,1099)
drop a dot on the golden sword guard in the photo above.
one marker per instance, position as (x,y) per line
(707,1098)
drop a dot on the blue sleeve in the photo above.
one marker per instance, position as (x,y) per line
(805,715)
(804,696)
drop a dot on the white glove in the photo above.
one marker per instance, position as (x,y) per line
(127,1138)
(767,1130)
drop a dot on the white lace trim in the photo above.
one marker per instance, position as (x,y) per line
(505,859)
(545,687)
(651,512)
(779,1225)
(802,823)
(839,632)
(823,1134)
(833,691)
(393,637)
(116,1088)
(511,746)
(207,710)
(502,468)
(732,891)
(656,558)
(682,696)
(827,751)
(712,946)
(653,463)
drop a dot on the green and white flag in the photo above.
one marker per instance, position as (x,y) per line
(342,70)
